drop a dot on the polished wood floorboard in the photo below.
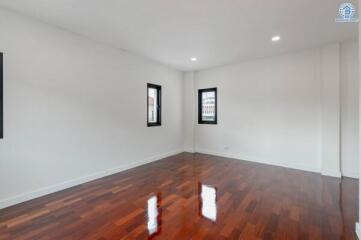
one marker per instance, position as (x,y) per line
(252,201)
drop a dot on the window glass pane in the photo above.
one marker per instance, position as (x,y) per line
(208,106)
(152,105)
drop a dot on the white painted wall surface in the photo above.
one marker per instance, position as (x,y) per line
(268,111)
(283,110)
(349,109)
(188,111)
(358,226)
(330,110)
(76,110)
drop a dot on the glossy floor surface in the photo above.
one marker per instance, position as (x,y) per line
(193,196)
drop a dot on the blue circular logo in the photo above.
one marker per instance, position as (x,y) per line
(347,10)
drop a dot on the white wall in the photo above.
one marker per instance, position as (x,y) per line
(268,111)
(330,110)
(358,226)
(189,111)
(283,110)
(76,110)
(349,109)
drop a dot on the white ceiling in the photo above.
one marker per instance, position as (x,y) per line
(217,32)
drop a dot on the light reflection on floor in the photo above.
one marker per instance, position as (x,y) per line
(209,205)
(152,215)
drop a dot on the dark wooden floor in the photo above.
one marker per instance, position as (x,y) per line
(253,201)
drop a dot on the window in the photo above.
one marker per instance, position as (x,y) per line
(207,106)
(154,105)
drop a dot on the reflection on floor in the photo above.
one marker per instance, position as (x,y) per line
(208,202)
(193,196)
(153,215)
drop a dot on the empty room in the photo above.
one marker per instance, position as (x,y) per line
(182,119)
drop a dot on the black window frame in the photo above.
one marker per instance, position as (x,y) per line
(1,97)
(200,119)
(159,105)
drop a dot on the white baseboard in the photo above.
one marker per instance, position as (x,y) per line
(189,150)
(251,159)
(358,230)
(331,173)
(74,182)
(350,175)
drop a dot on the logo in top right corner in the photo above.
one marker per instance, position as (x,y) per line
(347,13)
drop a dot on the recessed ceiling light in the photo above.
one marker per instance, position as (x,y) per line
(193,59)
(276,38)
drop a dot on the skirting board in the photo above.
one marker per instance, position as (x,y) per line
(358,230)
(336,174)
(189,150)
(350,175)
(250,159)
(68,184)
